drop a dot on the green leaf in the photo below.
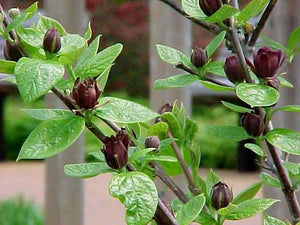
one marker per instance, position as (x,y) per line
(99,63)
(285,139)
(215,43)
(248,193)
(88,34)
(294,39)
(123,111)
(98,155)
(211,179)
(138,194)
(175,81)
(48,114)
(159,129)
(28,13)
(51,137)
(103,77)
(269,180)
(31,37)
(293,168)
(7,67)
(45,23)
(174,125)
(268,220)
(236,108)
(249,208)
(228,209)
(162,158)
(86,170)
(215,67)
(255,148)
(285,83)
(216,87)
(289,108)
(251,10)
(189,211)
(273,44)
(172,56)
(257,95)
(35,77)
(139,153)
(229,132)
(223,13)
(192,8)
(205,219)
(72,45)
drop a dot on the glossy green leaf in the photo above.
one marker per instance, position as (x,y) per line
(175,81)
(99,63)
(211,179)
(72,46)
(236,108)
(293,168)
(165,143)
(189,211)
(48,114)
(249,208)
(257,95)
(159,129)
(228,209)
(229,132)
(174,125)
(88,33)
(35,77)
(268,220)
(98,155)
(269,180)
(215,43)
(255,148)
(192,8)
(138,194)
(103,77)
(28,13)
(273,44)
(7,67)
(205,219)
(294,39)
(285,83)
(216,87)
(215,67)
(248,193)
(45,23)
(30,37)
(51,137)
(162,158)
(123,111)
(86,170)
(289,108)
(139,153)
(223,13)
(251,10)
(285,139)
(171,55)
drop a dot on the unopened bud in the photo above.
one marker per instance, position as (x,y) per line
(253,124)
(249,28)
(221,196)
(14,13)
(199,57)
(209,7)
(52,42)
(152,142)
(10,52)
(233,69)
(272,82)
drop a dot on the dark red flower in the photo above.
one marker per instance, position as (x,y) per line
(209,7)
(10,52)
(253,124)
(266,62)
(233,70)
(86,93)
(199,57)
(116,149)
(52,42)
(221,195)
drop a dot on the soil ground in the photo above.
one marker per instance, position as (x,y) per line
(27,179)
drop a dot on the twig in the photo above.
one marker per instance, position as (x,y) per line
(159,172)
(185,168)
(211,27)
(162,207)
(262,22)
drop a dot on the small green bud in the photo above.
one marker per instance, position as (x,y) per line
(14,13)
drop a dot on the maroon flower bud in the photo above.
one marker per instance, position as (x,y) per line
(221,195)
(266,62)
(116,149)
(253,124)
(152,142)
(209,7)
(199,57)
(11,53)
(272,82)
(233,70)
(52,42)
(86,93)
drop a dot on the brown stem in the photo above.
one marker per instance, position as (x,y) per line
(262,22)
(167,218)
(185,168)
(159,172)
(211,27)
